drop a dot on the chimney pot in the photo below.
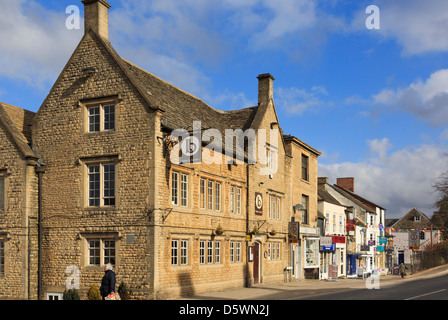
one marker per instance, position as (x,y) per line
(96,16)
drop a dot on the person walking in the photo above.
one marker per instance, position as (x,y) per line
(108,281)
(402,270)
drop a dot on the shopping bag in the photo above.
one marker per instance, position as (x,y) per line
(113,296)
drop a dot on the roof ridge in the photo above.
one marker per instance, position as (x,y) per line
(171,85)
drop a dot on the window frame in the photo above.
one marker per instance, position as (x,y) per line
(101,117)
(180,251)
(305,167)
(305,211)
(103,258)
(181,186)
(274,212)
(232,207)
(239,200)
(235,251)
(101,164)
(211,194)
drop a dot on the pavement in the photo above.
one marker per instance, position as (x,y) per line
(258,291)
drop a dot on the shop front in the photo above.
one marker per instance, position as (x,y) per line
(327,249)
(311,257)
(340,259)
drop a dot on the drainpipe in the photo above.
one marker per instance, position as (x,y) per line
(247,227)
(40,170)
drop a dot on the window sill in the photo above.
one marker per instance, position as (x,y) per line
(100,132)
(100,210)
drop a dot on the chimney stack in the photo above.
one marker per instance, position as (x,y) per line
(346,183)
(265,88)
(322,180)
(96,16)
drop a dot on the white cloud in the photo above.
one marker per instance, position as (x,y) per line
(35,43)
(297,101)
(417,26)
(379,147)
(286,17)
(397,181)
(428,100)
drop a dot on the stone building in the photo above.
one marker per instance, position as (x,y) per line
(18,205)
(121,167)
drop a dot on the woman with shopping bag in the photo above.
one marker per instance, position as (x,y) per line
(107,288)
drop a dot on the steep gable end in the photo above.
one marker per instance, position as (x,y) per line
(17,123)
(414,219)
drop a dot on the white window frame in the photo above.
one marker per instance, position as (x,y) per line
(184,252)
(274,211)
(218,191)
(238,200)
(180,185)
(102,182)
(203,193)
(184,190)
(59,296)
(210,194)
(179,252)
(269,250)
(202,249)
(103,257)
(232,199)
(210,249)
(238,252)
(102,117)
(217,252)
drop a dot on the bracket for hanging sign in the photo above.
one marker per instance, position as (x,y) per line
(166,213)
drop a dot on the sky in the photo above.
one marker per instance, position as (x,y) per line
(368,89)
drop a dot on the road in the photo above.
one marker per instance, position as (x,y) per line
(425,289)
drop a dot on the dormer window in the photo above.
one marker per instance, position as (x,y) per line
(417,218)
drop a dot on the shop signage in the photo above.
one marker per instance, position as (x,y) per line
(382,240)
(331,247)
(371,242)
(338,239)
(293,229)
(365,248)
(326,244)
(414,239)
(332,272)
(380,248)
(258,204)
(350,225)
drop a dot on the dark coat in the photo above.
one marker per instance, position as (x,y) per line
(107,283)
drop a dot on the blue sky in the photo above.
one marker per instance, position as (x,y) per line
(374,102)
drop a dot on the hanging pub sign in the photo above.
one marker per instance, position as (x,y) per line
(414,238)
(293,232)
(258,204)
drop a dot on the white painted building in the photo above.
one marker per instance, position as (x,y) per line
(333,250)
